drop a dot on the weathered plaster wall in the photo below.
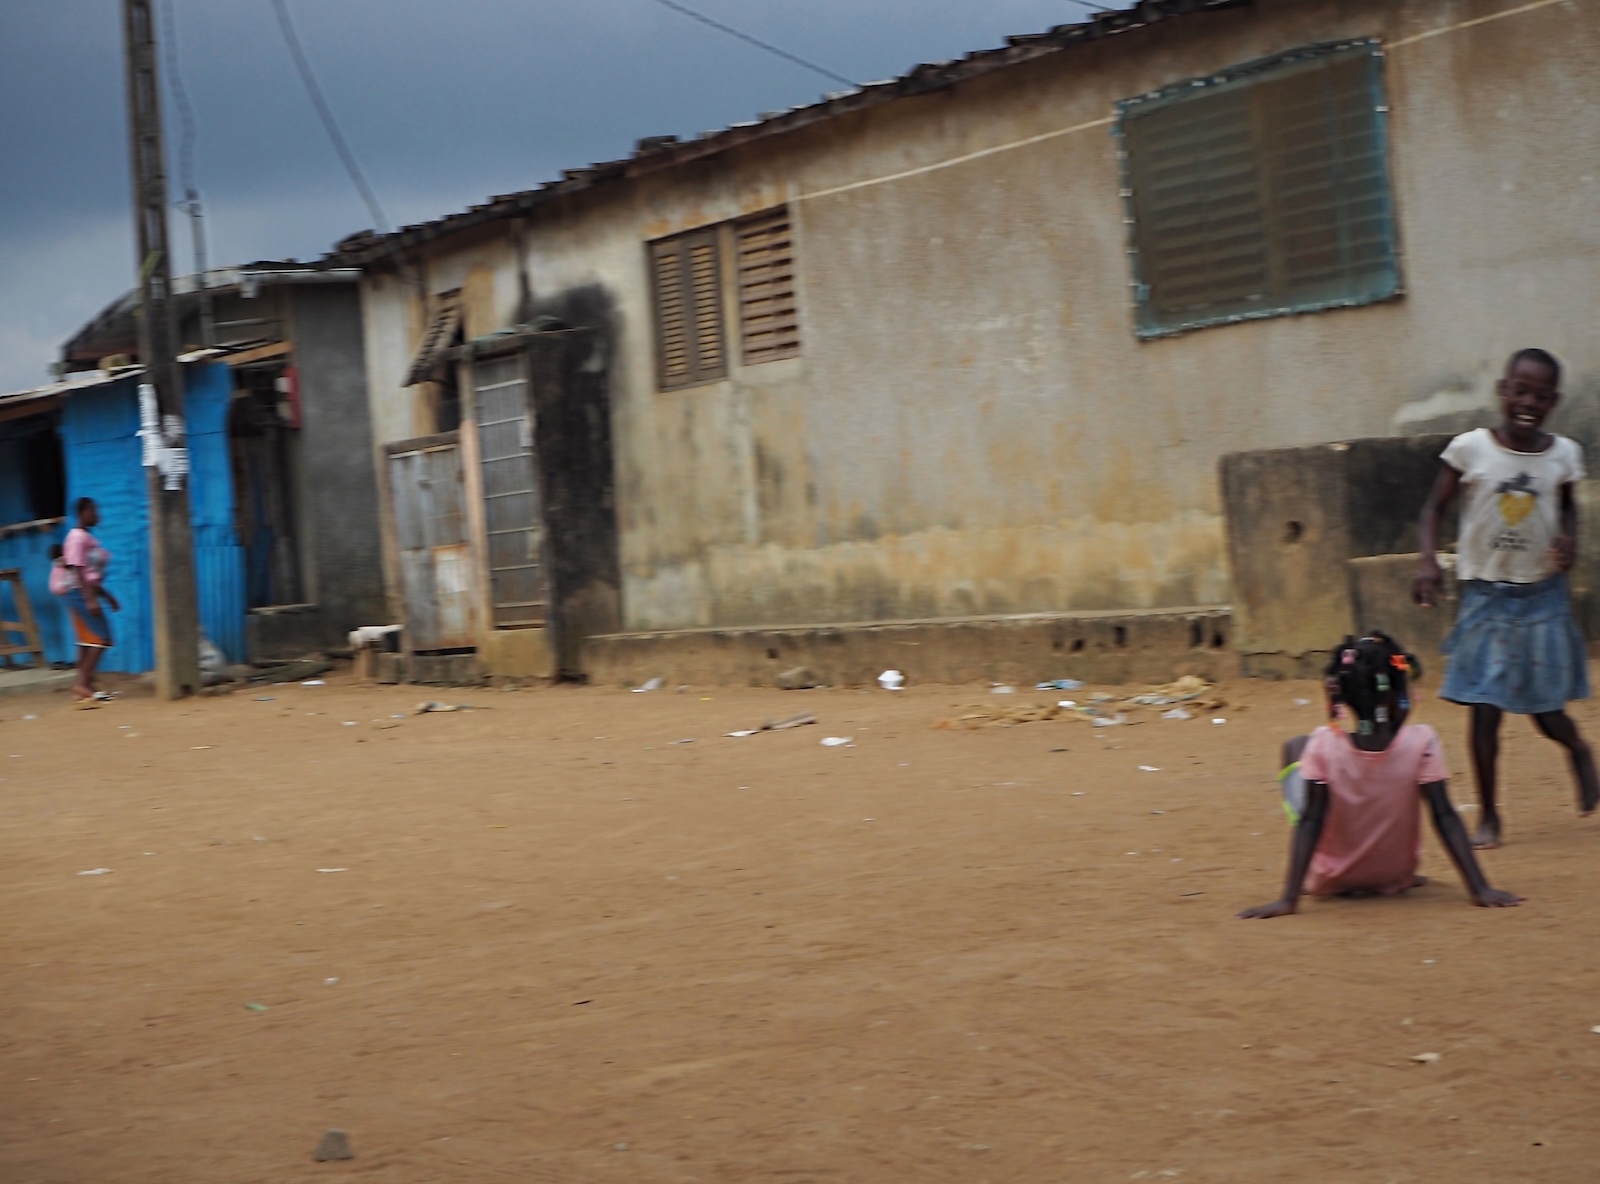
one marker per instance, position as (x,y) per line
(972,426)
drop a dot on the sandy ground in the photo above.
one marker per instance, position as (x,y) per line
(543,942)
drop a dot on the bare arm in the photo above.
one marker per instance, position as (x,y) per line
(1454,837)
(1302,844)
(1564,547)
(1426,589)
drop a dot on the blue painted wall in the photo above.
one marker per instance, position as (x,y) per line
(99,435)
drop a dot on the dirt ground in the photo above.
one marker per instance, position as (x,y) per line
(548,940)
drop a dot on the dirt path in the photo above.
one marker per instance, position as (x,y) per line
(561,947)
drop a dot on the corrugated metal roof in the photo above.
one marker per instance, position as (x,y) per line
(655,153)
(89,379)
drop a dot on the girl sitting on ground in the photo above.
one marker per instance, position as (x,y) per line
(1354,796)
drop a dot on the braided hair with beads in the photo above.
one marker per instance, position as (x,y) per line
(1366,675)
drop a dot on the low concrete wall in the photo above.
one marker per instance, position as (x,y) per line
(515,654)
(1151,646)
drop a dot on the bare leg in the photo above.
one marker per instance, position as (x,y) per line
(88,658)
(1485,765)
(1558,726)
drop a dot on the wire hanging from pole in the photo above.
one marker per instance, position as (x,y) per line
(191,192)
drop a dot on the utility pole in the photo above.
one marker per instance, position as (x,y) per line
(176,604)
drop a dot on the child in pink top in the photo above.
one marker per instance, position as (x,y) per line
(1358,831)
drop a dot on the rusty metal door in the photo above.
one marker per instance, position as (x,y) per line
(425,483)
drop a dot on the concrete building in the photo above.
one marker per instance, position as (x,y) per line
(301,490)
(971,342)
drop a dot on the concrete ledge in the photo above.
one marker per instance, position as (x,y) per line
(1110,647)
(32,679)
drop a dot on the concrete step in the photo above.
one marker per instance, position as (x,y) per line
(1153,645)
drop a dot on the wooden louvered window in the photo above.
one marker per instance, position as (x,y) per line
(691,342)
(1261,192)
(769,319)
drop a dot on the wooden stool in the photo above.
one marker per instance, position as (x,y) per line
(27,626)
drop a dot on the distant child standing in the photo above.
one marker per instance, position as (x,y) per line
(1357,797)
(1515,646)
(79,580)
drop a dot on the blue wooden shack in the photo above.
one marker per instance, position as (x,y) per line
(79,438)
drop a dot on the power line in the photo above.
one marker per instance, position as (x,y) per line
(191,192)
(325,113)
(756,41)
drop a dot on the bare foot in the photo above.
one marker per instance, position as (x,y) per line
(1487,837)
(1588,797)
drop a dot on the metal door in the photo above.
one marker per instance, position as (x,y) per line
(425,485)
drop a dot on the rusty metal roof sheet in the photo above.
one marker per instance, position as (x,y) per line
(654,153)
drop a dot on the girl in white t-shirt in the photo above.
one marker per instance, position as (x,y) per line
(1515,646)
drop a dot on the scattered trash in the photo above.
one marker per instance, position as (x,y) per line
(1069,704)
(689,740)
(255,1007)
(97,871)
(746,732)
(30,717)
(335,1145)
(266,698)
(1595,1029)
(1059,684)
(383,725)
(655,684)
(619,1146)
(332,869)
(1177,713)
(892,680)
(314,682)
(200,747)
(1219,721)
(790,721)
(1110,721)
(328,982)
(1427,1058)
(1002,690)
(349,723)
(440,705)
(1151,700)
(1149,769)
(1302,702)
(797,678)
(979,716)
(837,741)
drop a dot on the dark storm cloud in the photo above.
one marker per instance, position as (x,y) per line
(445,102)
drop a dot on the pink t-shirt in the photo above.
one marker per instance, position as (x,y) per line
(84,552)
(1372,840)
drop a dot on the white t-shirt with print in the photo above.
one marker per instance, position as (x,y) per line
(1510,505)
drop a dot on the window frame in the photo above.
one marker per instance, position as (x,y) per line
(788,345)
(682,245)
(1151,321)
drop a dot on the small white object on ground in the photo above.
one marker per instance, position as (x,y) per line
(333,869)
(1067,703)
(1219,721)
(998,690)
(1109,721)
(654,684)
(314,682)
(892,680)
(745,732)
(328,982)
(1176,713)
(1148,769)
(1302,702)
(97,871)
(349,723)
(837,741)
(30,717)
(1595,1029)
(1427,1058)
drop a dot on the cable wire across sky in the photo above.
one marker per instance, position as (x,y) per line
(757,42)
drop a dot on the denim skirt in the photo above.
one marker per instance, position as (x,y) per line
(1516,647)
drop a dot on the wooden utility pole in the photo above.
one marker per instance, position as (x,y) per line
(176,604)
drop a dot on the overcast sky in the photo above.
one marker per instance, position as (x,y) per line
(445,102)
